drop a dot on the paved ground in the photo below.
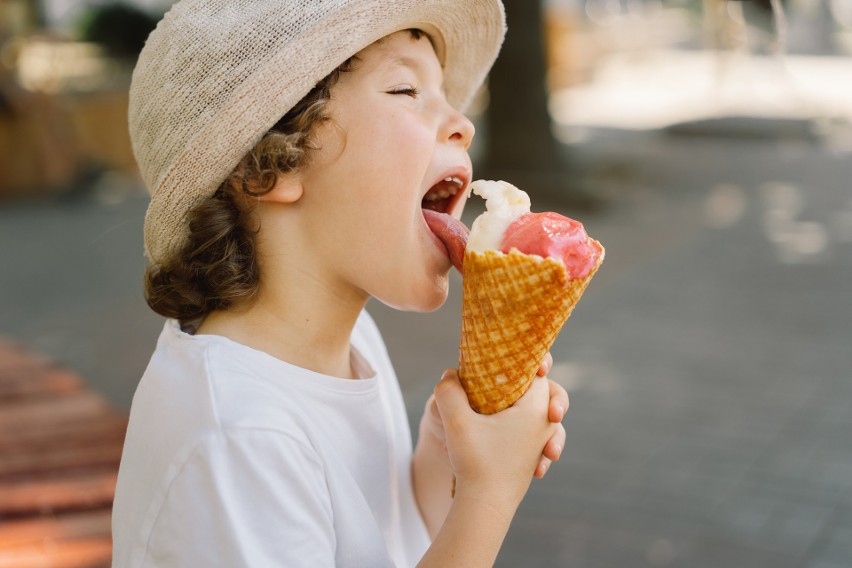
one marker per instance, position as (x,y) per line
(60,446)
(709,362)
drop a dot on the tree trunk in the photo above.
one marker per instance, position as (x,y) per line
(520,145)
(519,123)
(37,14)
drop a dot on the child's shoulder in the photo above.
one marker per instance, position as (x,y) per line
(217,382)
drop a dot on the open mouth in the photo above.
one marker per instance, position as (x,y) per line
(442,196)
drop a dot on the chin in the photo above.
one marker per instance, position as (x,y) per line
(432,306)
(426,301)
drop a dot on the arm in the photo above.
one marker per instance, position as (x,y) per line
(472,533)
(432,476)
(493,459)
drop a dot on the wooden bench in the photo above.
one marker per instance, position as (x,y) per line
(60,445)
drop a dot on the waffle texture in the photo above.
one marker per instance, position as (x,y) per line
(513,306)
(215,75)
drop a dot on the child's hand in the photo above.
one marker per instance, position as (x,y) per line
(496,455)
(430,424)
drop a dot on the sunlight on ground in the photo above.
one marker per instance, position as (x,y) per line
(658,88)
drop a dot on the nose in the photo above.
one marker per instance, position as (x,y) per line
(458,128)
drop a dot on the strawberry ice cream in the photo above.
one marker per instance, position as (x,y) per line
(555,236)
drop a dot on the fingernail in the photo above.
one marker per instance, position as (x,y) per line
(558,449)
(545,468)
(561,410)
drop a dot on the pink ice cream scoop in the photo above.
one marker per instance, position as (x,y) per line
(543,234)
(556,236)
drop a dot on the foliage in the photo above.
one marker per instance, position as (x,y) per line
(120,28)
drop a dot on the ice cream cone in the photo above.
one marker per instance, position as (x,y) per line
(513,306)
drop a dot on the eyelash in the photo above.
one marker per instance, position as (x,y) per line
(410,91)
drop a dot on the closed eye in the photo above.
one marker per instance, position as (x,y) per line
(410,91)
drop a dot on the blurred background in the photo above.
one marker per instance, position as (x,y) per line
(705,143)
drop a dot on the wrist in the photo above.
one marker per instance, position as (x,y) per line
(432,479)
(472,533)
(494,498)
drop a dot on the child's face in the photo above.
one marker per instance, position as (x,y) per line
(392,137)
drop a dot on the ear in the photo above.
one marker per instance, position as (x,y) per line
(287,189)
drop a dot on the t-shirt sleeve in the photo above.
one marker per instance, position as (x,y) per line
(246,498)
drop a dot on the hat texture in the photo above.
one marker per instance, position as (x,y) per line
(215,75)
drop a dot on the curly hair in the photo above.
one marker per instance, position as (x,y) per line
(218,265)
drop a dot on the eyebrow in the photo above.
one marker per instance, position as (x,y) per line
(414,64)
(405,61)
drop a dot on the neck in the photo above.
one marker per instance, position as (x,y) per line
(304,311)
(306,325)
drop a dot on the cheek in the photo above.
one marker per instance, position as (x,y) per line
(404,137)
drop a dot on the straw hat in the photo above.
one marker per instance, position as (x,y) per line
(217,74)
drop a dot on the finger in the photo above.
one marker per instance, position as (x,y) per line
(538,389)
(542,467)
(432,420)
(449,394)
(559,402)
(432,408)
(553,448)
(546,365)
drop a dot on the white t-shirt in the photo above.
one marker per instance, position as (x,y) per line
(236,458)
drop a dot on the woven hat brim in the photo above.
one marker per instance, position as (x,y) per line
(468,35)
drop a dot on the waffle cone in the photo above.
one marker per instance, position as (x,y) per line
(513,306)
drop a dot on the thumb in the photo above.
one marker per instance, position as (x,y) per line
(449,394)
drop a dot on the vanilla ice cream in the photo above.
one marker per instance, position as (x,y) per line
(504,203)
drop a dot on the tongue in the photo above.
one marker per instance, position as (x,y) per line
(452,232)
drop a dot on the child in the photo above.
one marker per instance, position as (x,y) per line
(289,147)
